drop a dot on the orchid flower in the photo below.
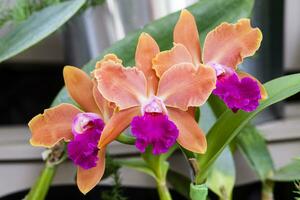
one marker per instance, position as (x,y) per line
(157,105)
(225,47)
(82,130)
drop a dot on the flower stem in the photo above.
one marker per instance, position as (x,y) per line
(267,190)
(41,186)
(163,191)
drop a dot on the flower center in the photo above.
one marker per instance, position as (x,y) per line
(154,105)
(83,150)
(220,69)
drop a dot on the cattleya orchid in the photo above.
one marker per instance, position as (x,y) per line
(81,129)
(225,47)
(157,102)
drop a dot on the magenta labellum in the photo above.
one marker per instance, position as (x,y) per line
(238,93)
(87,129)
(154,129)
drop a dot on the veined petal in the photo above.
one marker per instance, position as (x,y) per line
(117,123)
(53,125)
(146,50)
(263,91)
(166,59)
(80,88)
(191,137)
(108,58)
(183,85)
(186,33)
(126,87)
(87,179)
(228,44)
(104,106)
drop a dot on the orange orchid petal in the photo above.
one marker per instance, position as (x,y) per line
(53,125)
(166,59)
(104,106)
(191,137)
(146,50)
(106,58)
(80,88)
(228,44)
(263,91)
(126,87)
(183,85)
(186,33)
(117,123)
(88,179)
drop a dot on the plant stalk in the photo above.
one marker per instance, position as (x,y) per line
(42,185)
(267,190)
(163,191)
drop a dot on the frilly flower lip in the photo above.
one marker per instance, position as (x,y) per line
(83,150)
(156,130)
(238,93)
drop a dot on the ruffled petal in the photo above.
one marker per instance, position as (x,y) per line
(191,137)
(105,107)
(83,150)
(108,58)
(228,44)
(166,59)
(238,93)
(183,85)
(146,50)
(126,87)
(80,88)
(186,33)
(155,130)
(88,179)
(117,123)
(53,125)
(263,91)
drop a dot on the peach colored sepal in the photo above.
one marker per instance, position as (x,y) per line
(191,137)
(229,44)
(53,125)
(117,123)
(186,33)
(146,50)
(126,87)
(263,91)
(88,179)
(183,85)
(166,59)
(80,87)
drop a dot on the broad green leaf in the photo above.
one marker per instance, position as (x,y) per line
(230,124)
(208,14)
(37,27)
(254,148)
(290,172)
(179,182)
(137,164)
(221,178)
(198,192)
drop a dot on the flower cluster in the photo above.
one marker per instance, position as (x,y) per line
(156,98)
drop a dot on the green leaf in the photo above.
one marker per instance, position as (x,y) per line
(37,27)
(198,192)
(254,148)
(208,15)
(221,178)
(179,182)
(290,172)
(230,124)
(137,164)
